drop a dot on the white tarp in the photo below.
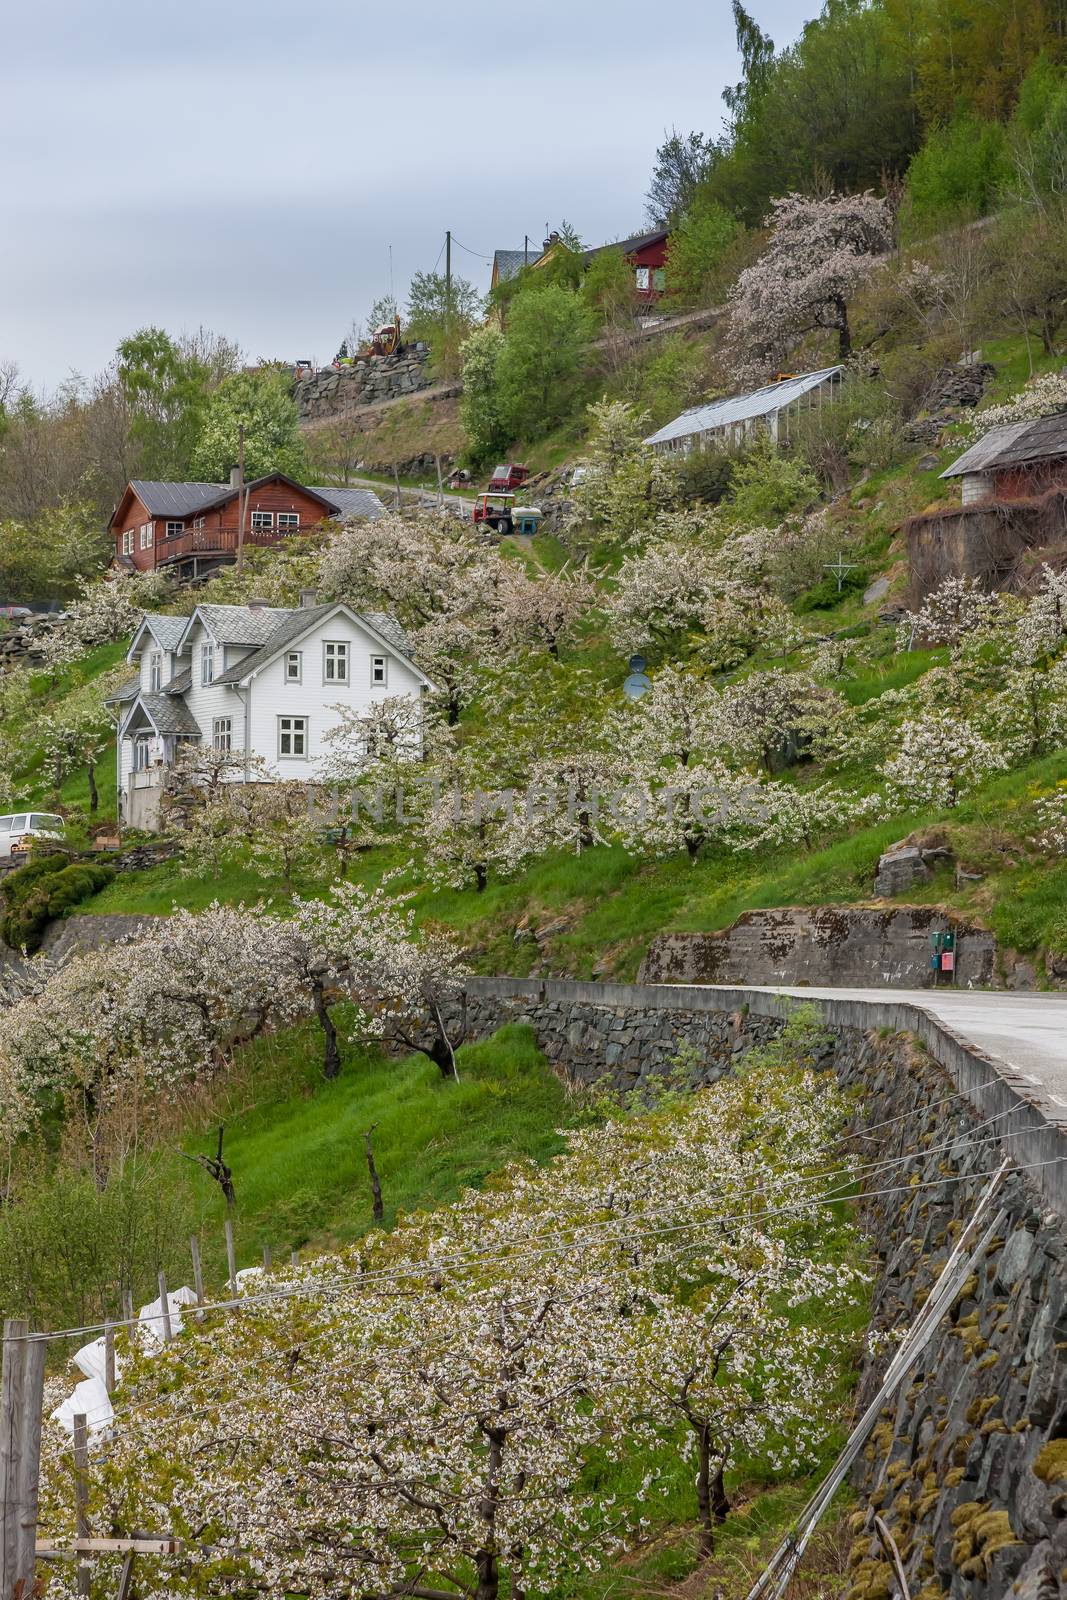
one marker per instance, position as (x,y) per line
(150,1317)
(90,1399)
(91,1360)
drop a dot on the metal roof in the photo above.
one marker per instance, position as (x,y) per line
(174,499)
(1013,444)
(741,407)
(630,247)
(353,502)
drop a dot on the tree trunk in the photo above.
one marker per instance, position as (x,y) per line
(481,877)
(331,1064)
(94,798)
(712,1503)
(488,1577)
(844,332)
(375,1181)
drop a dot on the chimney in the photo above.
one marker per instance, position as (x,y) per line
(308,599)
(256,605)
(235,477)
(552,239)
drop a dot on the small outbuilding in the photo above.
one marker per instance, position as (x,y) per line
(1016,461)
(773,410)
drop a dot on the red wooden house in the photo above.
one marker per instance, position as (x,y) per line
(190,529)
(645,252)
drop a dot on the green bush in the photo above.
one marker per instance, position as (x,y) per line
(957,174)
(824,595)
(34,895)
(707,475)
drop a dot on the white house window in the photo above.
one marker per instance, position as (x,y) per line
(174,528)
(141,752)
(262,520)
(222,733)
(288,521)
(642,277)
(334,661)
(294,666)
(146,535)
(292,736)
(379,669)
(155,671)
(207,662)
(127,542)
(199,522)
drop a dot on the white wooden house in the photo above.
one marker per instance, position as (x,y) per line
(257,680)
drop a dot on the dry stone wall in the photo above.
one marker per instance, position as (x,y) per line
(334,390)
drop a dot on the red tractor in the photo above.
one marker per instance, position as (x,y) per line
(494,510)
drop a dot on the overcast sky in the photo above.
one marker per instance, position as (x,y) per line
(246,165)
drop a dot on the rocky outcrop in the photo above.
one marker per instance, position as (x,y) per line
(333,390)
(21,644)
(907,864)
(839,946)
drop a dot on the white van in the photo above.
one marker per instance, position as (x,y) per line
(23,824)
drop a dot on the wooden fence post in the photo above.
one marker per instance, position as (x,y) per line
(294,1258)
(109,1356)
(81,1496)
(127,1309)
(21,1399)
(164,1306)
(267,1258)
(231,1259)
(198,1271)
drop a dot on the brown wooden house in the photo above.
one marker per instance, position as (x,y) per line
(191,529)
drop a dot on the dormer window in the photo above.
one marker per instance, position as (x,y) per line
(155,671)
(207,662)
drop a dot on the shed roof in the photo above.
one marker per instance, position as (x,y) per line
(1014,444)
(353,502)
(741,407)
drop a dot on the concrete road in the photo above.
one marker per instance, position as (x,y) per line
(1027,1033)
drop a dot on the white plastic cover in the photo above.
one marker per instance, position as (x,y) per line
(90,1399)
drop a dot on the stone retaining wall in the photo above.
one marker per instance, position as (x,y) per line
(968,1466)
(332,391)
(839,946)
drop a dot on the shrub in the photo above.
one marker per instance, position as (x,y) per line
(824,595)
(707,475)
(767,485)
(957,174)
(34,895)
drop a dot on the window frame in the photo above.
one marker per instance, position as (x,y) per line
(174,529)
(298,728)
(207,663)
(146,535)
(291,522)
(155,671)
(298,675)
(383,681)
(262,522)
(343,659)
(642,279)
(127,541)
(222,729)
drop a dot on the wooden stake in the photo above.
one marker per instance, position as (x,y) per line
(81,1495)
(440,485)
(198,1271)
(396,480)
(125,1576)
(294,1258)
(231,1259)
(164,1307)
(21,1397)
(127,1308)
(109,1356)
(267,1258)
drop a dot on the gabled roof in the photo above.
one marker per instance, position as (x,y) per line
(180,682)
(630,247)
(247,625)
(292,627)
(353,502)
(172,499)
(166,713)
(509,263)
(1014,444)
(742,407)
(166,631)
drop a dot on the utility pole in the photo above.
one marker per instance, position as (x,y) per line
(242,497)
(448,273)
(526,249)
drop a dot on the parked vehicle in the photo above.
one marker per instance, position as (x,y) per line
(495,510)
(507,477)
(17,831)
(527,519)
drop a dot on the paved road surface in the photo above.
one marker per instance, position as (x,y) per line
(1027,1032)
